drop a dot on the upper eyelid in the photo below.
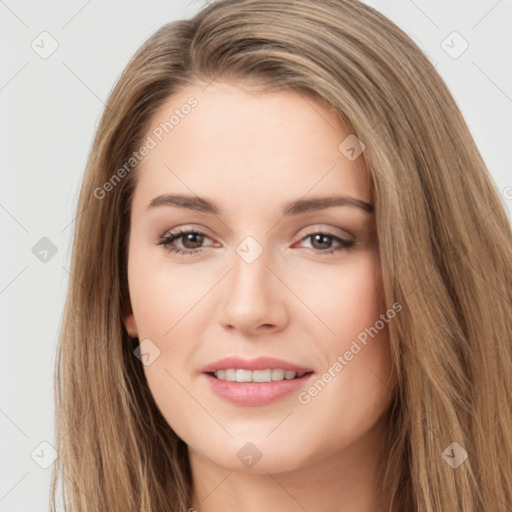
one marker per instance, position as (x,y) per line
(309,230)
(330,232)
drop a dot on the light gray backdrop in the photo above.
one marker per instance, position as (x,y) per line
(58,63)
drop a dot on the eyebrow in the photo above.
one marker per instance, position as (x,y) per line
(296,207)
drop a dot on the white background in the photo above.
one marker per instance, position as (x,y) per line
(49,111)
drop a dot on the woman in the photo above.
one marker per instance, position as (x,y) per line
(292,278)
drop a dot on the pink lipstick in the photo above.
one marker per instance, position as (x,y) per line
(255,382)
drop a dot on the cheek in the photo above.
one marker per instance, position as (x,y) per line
(349,298)
(161,294)
(160,301)
(357,353)
(165,300)
(362,331)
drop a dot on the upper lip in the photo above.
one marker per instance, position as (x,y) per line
(259,363)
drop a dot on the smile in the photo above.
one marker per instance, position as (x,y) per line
(268,375)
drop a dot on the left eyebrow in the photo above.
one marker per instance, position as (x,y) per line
(297,207)
(321,203)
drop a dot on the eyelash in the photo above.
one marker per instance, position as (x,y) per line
(166,242)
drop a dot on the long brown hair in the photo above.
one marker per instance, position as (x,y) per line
(445,246)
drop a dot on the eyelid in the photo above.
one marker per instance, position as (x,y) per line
(181,228)
(335,231)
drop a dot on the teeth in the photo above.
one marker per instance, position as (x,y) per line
(278,374)
(243,376)
(270,375)
(262,376)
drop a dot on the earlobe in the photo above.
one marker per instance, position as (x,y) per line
(131,326)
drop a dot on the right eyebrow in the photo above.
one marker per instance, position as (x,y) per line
(185,201)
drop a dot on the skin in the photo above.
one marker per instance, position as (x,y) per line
(250,154)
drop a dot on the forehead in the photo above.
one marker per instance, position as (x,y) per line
(238,146)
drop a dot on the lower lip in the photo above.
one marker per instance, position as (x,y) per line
(255,393)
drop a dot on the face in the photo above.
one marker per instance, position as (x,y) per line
(233,268)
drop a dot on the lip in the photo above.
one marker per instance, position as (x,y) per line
(253,394)
(260,363)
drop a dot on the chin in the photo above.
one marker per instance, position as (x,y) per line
(257,456)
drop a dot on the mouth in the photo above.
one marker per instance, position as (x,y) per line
(255,382)
(267,375)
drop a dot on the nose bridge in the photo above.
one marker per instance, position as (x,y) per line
(251,295)
(250,278)
(250,267)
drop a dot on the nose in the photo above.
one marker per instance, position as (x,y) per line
(254,297)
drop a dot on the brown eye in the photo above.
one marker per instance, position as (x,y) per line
(184,242)
(327,243)
(192,240)
(321,241)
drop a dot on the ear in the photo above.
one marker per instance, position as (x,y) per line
(129,322)
(131,326)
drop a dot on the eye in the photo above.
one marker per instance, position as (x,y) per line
(322,242)
(192,242)
(191,239)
